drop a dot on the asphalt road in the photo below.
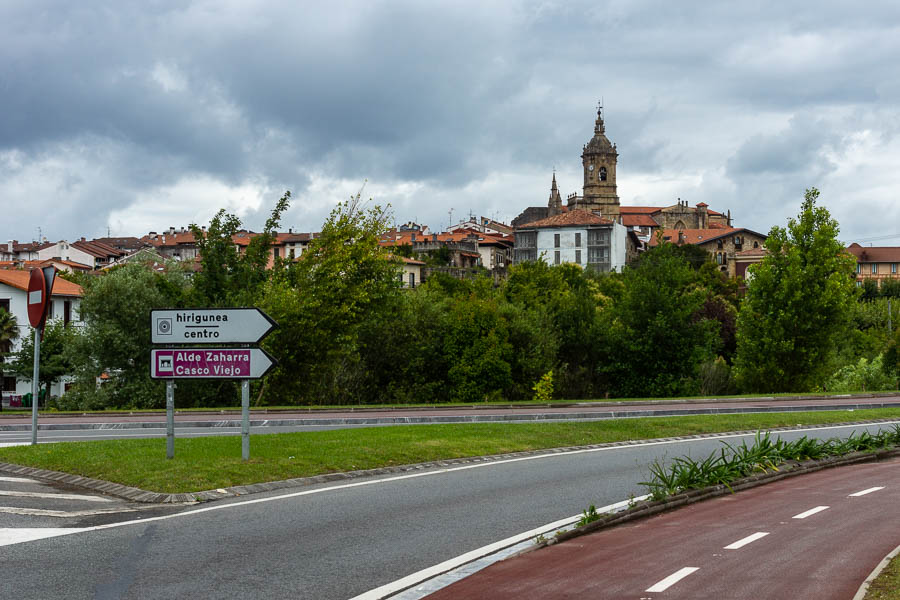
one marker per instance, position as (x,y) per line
(329,541)
(16,429)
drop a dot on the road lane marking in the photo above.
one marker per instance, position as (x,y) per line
(747,540)
(442,471)
(28,534)
(18,480)
(55,496)
(864,492)
(672,579)
(439,569)
(810,512)
(43,512)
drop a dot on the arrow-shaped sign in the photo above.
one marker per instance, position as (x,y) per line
(210,363)
(209,326)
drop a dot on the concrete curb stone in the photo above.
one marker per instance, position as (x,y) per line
(144,496)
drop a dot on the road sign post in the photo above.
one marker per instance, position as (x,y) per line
(175,327)
(40,291)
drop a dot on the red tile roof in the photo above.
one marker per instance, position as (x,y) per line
(19,279)
(873,254)
(572,218)
(700,236)
(638,220)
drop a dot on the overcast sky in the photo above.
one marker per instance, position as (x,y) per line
(131,117)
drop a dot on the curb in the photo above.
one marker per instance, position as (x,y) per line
(864,588)
(456,419)
(649,508)
(574,403)
(139,495)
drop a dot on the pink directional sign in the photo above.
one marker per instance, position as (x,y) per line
(209,363)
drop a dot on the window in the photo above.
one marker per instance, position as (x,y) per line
(756,244)
(50,310)
(893,267)
(874,267)
(276,252)
(598,249)
(578,240)
(858,268)
(556,257)
(291,253)
(602,174)
(526,246)
(67,311)
(578,256)
(412,280)
(556,241)
(4,304)
(9,384)
(858,283)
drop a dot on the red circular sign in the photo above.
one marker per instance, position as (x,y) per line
(37,298)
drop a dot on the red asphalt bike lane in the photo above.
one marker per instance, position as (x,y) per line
(805,537)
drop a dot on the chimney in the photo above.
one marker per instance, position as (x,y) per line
(171,230)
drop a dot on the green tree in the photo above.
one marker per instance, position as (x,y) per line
(798,305)
(9,331)
(228,277)
(322,301)
(116,335)
(657,336)
(55,356)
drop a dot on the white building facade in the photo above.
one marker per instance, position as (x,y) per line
(577,236)
(65,305)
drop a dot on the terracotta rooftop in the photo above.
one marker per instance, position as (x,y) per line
(638,220)
(700,236)
(873,254)
(568,219)
(19,279)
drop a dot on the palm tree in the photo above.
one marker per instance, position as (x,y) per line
(9,331)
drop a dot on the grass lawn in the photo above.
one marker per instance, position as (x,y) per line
(887,585)
(214,462)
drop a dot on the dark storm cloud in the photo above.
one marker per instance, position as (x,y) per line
(107,103)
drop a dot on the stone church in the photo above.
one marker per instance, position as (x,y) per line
(599,159)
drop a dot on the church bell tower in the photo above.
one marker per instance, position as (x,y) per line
(599,162)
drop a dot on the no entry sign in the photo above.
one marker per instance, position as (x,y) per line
(37,298)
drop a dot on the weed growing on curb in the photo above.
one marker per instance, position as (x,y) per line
(589,516)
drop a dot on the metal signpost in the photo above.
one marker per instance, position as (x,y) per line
(40,292)
(209,326)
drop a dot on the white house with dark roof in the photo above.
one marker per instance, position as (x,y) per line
(577,236)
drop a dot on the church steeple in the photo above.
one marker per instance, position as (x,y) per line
(555,203)
(599,160)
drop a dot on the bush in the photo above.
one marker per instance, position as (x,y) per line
(864,376)
(715,378)
(543,389)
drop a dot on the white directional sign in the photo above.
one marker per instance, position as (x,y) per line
(209,363)
(209,326)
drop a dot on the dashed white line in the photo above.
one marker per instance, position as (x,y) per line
(672,579)
(18,480)
(864,492)
(55,496)
(811,512)
(747,540)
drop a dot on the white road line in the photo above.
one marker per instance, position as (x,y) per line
(864,492)
(448,565)
(18,480)
(42,512)
(810,512)
(747,540)
(17,536)
(432,473)
(55,496)
(672,579)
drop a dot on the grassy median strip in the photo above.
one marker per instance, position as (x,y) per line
(887,585)
(214,462)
